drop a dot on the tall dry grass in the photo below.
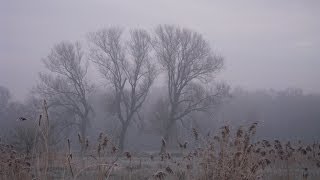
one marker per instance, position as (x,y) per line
(230,154)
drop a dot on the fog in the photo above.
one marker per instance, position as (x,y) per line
(266,44)
(159,89)
(270,69)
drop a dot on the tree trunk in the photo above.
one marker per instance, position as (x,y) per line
(170,124)
(123,136)
(168,133)
(83,133)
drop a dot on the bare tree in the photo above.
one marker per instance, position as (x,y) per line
(128,69)
(189,64)
(66,84)
(23,137)
(4,99)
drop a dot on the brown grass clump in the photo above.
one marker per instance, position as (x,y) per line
(14,165)
(230,156)
(160,175)
(236,156)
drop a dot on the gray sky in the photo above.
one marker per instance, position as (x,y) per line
(266,43)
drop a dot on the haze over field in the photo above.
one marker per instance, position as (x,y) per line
(266,44)
(160,89)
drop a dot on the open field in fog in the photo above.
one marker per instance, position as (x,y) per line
(159,90)
(227,155)
(141,168)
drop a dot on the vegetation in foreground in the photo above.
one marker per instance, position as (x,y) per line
(229,154)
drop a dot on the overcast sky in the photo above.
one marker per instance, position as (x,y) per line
(266,44)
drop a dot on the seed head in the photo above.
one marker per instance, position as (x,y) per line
(239,132)
(128,155)
(160,175)
(114,149)
(39,121)
(195,133)
(87,143)
(185,145)
(105,142)
(99,149)
(100,137)
(169,170)
(79,138)
(163,142)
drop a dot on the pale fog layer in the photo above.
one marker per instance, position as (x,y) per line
(266,44)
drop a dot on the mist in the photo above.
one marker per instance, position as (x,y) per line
(147,76)
(267,44)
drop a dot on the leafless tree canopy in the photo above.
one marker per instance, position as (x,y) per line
(127,63)
(189,63)
(127,67)
(66,84)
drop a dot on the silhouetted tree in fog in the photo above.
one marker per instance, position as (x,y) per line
(127,68)
(66,84)
(189,64)
(4,99)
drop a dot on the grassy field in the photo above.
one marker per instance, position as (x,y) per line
(141,168)
(227,155)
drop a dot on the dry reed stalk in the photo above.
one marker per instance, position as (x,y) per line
(69,158)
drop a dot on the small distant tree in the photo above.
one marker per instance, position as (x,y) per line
(18,124)
(128,69)
(190,65)
(23,137)
(4,99)
(66,84)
